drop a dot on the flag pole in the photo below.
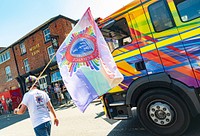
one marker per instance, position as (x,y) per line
(40,75)
(43,70)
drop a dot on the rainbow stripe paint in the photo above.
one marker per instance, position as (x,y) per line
(174,51)
(86,64)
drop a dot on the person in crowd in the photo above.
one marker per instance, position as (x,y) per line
(51,94)
(58,92)
(39,105)
(64,92)
(9,105)
(1,108)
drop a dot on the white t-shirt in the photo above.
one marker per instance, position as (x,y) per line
(36,101)
(57,90)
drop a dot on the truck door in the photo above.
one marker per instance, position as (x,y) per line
(168,42)
(187,19)
(145,40)
(124,48)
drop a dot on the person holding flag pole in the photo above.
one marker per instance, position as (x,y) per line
(86,66)
(38,104)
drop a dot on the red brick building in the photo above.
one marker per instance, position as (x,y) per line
(32,53)
(8,70)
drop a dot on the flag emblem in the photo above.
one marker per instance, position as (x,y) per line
(82,51)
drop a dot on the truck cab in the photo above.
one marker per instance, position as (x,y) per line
(156,46)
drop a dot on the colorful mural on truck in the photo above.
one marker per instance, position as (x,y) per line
(165,37)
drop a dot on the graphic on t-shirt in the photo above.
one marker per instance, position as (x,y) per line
(39,99)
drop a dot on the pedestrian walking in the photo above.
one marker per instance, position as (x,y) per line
(38,104)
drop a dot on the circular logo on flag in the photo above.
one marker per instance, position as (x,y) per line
(82,48)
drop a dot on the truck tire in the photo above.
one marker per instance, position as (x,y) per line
(163,113)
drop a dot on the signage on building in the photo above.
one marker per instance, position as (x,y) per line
(35,49)
(54,67)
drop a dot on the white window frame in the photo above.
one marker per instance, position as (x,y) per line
(26,65)
(8,73)
(22,48)
(46,33)
(51,53)
(43,82)
(4,57)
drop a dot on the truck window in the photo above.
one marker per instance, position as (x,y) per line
(160,16)
(117,34)
(188,9)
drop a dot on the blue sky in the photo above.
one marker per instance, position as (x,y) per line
(18,17)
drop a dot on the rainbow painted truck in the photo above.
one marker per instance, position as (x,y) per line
(156,46)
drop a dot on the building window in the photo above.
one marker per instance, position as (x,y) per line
(160,16)
(47,36)
(43,82)
(51,53)
(8,73)
(55,76)
(22,48)
(4,57)
(188,9)
(26,65)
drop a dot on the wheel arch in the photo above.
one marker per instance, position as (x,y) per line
(163,80)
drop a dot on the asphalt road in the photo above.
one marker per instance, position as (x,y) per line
(91,123)
(134,128)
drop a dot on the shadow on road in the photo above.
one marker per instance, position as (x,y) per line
(7,120)
(10,119)
(64,107)
(99,115)
(133,127)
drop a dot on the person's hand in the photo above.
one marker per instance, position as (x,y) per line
(56,121)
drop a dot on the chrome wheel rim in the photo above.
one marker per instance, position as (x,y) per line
(161,113)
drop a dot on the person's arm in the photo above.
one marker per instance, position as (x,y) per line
(20,109)
(50,107)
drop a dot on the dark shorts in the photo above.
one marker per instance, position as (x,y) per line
(43,129)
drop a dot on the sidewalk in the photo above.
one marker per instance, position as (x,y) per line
(10,119)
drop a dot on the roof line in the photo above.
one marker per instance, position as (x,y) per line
(41,26)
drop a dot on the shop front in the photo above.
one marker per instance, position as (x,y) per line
(14,95)
(50,76)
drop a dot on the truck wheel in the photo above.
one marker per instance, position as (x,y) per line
(163,113)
